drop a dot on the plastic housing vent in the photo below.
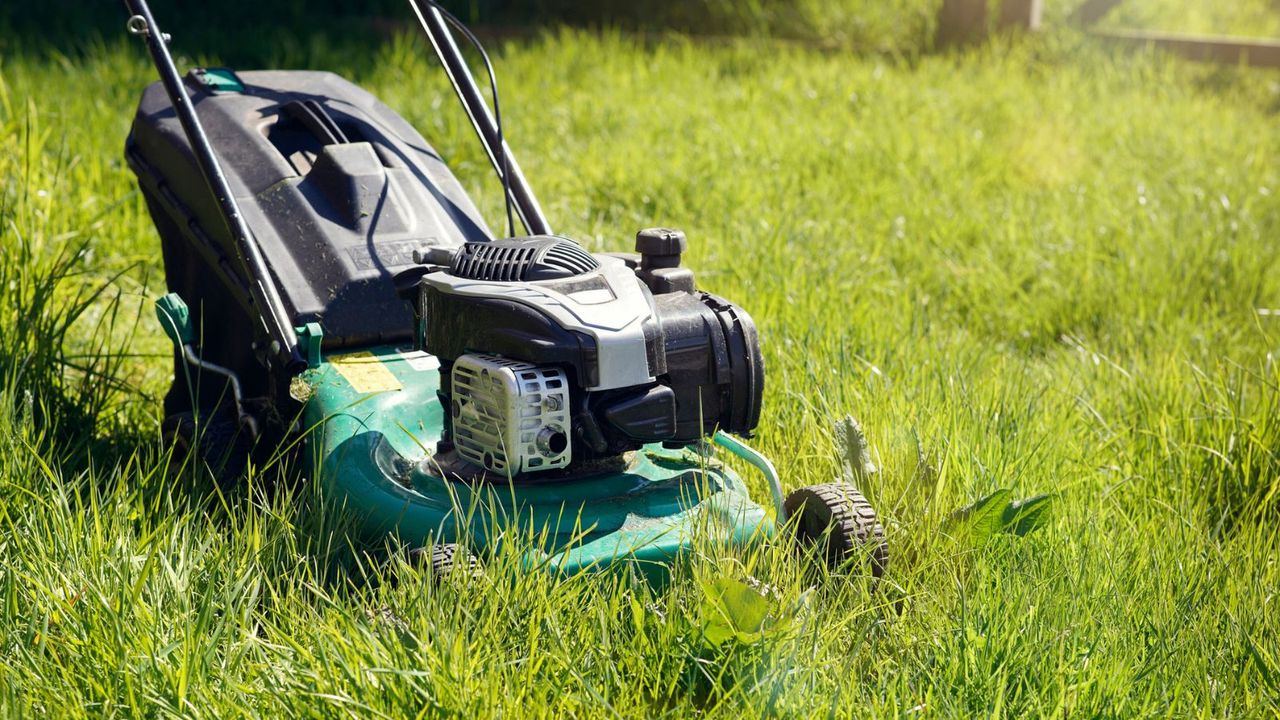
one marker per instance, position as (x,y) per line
(530,259)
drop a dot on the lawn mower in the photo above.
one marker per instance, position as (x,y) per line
(331,283)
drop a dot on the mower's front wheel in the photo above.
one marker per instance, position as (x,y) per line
(442,559)
(838,517)
(215,443)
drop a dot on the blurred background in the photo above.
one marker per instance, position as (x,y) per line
(245,31)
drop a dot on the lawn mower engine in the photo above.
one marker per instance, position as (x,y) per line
(555,359)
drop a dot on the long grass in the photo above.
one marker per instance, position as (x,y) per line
(1034,266)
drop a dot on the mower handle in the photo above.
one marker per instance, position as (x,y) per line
(495,146)
(263,294)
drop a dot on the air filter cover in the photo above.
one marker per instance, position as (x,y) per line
(510,417)
(529,259)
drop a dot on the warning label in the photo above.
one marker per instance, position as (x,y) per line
(365,372)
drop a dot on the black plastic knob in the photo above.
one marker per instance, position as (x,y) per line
(660,248)
(661,241)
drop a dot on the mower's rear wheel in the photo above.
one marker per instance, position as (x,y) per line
(442,559)
(837,516)
(217,444)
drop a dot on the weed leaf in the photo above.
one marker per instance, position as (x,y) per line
(1028,514)
(733,611)
(855,454)
(980,521)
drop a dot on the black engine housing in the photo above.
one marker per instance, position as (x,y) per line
(702,350)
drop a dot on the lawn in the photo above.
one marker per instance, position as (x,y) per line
(1042,266)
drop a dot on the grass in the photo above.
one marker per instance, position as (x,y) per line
(1198,16)
(1033,266)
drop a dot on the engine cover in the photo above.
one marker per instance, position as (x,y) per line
(595,302)
(643,355)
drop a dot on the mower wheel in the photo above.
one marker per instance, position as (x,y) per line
(441,559)
(219,444)
(839,516)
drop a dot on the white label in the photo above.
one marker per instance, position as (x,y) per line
(419,360)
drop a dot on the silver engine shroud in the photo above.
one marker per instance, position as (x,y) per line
(609,303)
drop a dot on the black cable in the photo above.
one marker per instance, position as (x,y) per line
(497,111)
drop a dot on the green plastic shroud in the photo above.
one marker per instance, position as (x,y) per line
(377,417)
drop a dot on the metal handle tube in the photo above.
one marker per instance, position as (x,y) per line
(262,289)
(455,66)
(762,463)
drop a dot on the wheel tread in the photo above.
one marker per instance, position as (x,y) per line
(853,522)
(440,560)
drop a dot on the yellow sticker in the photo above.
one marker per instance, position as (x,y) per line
(365,372)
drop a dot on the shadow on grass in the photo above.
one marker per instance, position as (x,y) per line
(240,33)
(78,451)
(291,33)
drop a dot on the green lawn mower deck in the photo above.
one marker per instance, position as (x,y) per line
(376,421)
(330,282)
